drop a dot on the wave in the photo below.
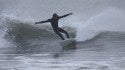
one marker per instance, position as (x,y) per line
(107,39)
(111,19)
(109,35)
(26,31)
(19,31)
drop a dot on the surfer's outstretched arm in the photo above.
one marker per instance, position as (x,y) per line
(43,21)
(65,15)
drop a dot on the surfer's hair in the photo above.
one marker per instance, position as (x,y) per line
(55,15)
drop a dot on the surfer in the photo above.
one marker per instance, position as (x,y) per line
(54,22)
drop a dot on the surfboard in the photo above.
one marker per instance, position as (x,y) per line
(67,42)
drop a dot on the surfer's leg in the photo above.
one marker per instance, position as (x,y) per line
(58,33)
(63,31)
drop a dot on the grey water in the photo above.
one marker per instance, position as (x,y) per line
(96,25)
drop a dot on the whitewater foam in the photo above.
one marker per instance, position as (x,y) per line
(3,42)
(16,14)
(3,31)
(111,19)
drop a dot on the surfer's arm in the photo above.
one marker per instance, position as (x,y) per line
(43,21)
(65,15)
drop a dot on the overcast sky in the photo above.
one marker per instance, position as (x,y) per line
(40,8)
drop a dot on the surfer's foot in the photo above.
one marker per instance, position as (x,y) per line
(63,39)
(68,37)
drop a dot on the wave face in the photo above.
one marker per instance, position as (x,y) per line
(16,31)
(85,23)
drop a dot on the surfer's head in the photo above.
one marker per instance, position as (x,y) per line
(55,15)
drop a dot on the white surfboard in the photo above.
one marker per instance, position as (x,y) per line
(67,42)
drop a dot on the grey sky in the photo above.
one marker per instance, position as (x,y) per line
(38,8)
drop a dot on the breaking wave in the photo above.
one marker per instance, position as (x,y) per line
(16,29)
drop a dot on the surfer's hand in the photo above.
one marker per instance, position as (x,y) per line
(70,13)
(36,23)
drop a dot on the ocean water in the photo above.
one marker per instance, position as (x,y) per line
(97,26)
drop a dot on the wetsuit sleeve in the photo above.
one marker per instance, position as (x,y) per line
(65,15)
(49,20)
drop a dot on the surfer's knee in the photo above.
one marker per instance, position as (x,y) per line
(62,30)
(67,35)
(65,32)
(58,33)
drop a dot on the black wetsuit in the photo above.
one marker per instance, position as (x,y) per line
(54,22)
